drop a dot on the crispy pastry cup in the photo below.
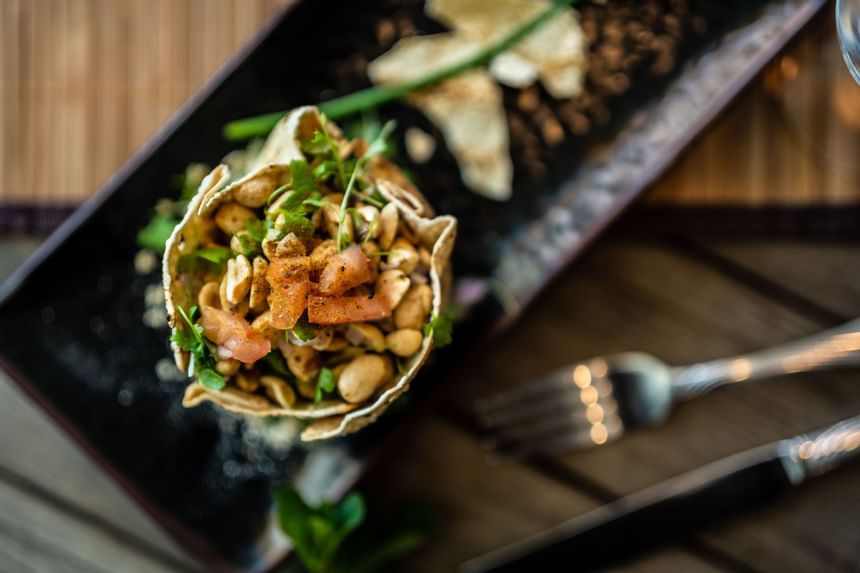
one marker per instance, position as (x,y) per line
(330,418)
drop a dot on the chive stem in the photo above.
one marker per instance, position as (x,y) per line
(376,96)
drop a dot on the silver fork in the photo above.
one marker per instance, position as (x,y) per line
(594,402)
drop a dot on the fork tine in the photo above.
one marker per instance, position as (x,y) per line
(524,410)
(568,395)
(581,437)
(557,379)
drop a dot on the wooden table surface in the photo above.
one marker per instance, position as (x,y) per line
(685,298)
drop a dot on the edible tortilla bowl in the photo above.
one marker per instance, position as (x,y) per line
(331,418)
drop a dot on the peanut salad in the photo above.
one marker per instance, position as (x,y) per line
(312,286)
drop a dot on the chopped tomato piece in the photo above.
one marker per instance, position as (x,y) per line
(344,271)
(234,335)
(344,309)
(289,284)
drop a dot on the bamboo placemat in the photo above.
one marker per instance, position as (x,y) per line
(83,83)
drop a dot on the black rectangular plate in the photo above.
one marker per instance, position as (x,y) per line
(71,332)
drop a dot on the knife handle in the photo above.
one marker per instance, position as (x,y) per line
(658,515)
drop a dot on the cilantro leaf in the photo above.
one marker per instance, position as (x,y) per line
(211,379)
(301,178)
(318,144)
(155,234)
(217,255)
(202,359)
(275,194)
(277,364)
(299,224)
(255,229)
(441,327)
(325,383)
(304,331)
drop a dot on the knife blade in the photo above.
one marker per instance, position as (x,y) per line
(678,507)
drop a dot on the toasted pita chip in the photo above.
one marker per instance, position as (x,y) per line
(468,108)
(556,52)
(332,417)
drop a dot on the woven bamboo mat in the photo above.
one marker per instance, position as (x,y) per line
(83,83)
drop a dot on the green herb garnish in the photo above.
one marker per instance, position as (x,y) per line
(440,327)
(340,538)
(202,359)
(325,384)
(376,147)
(303,330)
(317,532)
(217,255)
(156,232)
(372,98)
(277,364)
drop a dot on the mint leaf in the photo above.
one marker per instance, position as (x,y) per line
(351,511)
(155,234)
(293,516)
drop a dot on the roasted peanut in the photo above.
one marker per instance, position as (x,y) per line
(303,361)
(307,389)
(392,285)
(337,344)
(270,248)
(404,342)
(334,198)
(369,228)
(237,240)
(227,367)
(278,203)
(247,382)
(402,255)
(366,335)
(239,309)
(361,377)
(413,310)
(259,285)
(389,218)
(255,192)
(208,296)
(232,217)
(278,389)
(331,219)
(290,246)
(239,276)
(425,258)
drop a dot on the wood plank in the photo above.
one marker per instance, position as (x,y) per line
(35,537)
(31,446)
(817,270)
(633,296)
(482,505)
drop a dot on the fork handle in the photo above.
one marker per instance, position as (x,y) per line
(832,348)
